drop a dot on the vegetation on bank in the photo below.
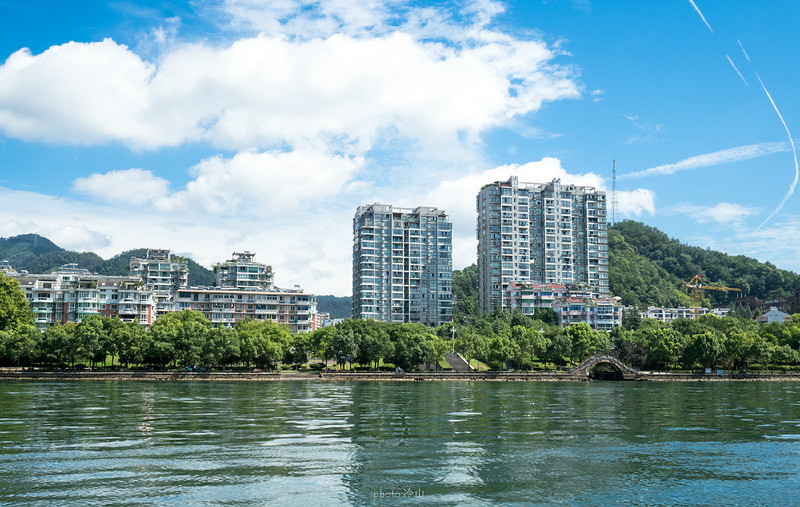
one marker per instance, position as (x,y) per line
(500,340)
(645,268)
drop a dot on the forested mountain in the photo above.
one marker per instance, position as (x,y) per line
(338,307)
(25,248)
(647,267)
(37,254)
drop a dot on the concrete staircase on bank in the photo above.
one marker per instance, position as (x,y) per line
(458,363)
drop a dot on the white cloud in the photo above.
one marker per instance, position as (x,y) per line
(269,90)
(133,186)
(267,182)
(713,159)
(723,213)
(635,202)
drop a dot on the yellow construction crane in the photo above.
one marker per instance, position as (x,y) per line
(697,284)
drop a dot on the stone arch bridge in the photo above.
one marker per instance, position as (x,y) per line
(582,370)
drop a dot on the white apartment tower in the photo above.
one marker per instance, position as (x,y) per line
(402,264)
(163,274)
(539,232)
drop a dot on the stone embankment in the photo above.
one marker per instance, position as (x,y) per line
(222,376)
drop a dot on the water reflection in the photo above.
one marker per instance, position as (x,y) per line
(312,443)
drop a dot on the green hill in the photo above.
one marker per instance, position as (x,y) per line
(648,267)
(37,254)
(26,248)
(338,307)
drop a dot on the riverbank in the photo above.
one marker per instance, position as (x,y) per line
(223,376)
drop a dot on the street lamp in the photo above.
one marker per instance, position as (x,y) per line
(453,329)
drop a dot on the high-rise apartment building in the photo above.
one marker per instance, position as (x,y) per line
(539,232)
(164,275)
(243,272)
(402,264)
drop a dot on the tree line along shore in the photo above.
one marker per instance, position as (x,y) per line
(498,341)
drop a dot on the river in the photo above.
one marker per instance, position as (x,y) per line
(314,443)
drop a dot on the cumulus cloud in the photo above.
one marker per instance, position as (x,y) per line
(268,90)
(265,182)
(633,203)
(132,186)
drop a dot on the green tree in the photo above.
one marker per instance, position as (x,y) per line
(343,348)
(664,346)
(321,342)
(19,347)
(129,342)
(560,345)
(91,335)
(15,312)
(706,348)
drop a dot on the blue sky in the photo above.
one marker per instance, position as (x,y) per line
(209,127)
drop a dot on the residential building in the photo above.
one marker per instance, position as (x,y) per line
(5,267)
(71,293)
(774,315)
(670,314)
(225,306)
(243,272)
(402,264)
(572,303)
(539,232)
(600,314)
(164,275)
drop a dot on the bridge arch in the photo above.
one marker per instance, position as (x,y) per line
(582,370)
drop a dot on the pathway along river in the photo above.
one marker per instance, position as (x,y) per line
(382,443)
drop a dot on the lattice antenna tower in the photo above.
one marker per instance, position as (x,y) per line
(614,191)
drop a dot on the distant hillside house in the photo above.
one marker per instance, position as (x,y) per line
(572,303)
(671,314)
(774,315)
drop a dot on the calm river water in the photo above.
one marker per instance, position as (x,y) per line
(446,443)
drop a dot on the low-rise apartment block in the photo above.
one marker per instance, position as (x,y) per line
(225,306)
(572,303)
(71,293)
(670,314)
(243,272)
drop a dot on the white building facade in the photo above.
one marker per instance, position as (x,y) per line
(71,294)
(163,274)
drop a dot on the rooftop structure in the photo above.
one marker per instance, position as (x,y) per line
(243,272)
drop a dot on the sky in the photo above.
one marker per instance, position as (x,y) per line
(216,126)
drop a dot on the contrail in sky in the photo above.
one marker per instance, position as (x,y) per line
(743,51)
(794,151)
(711,159)
(737,70)
(701,15)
